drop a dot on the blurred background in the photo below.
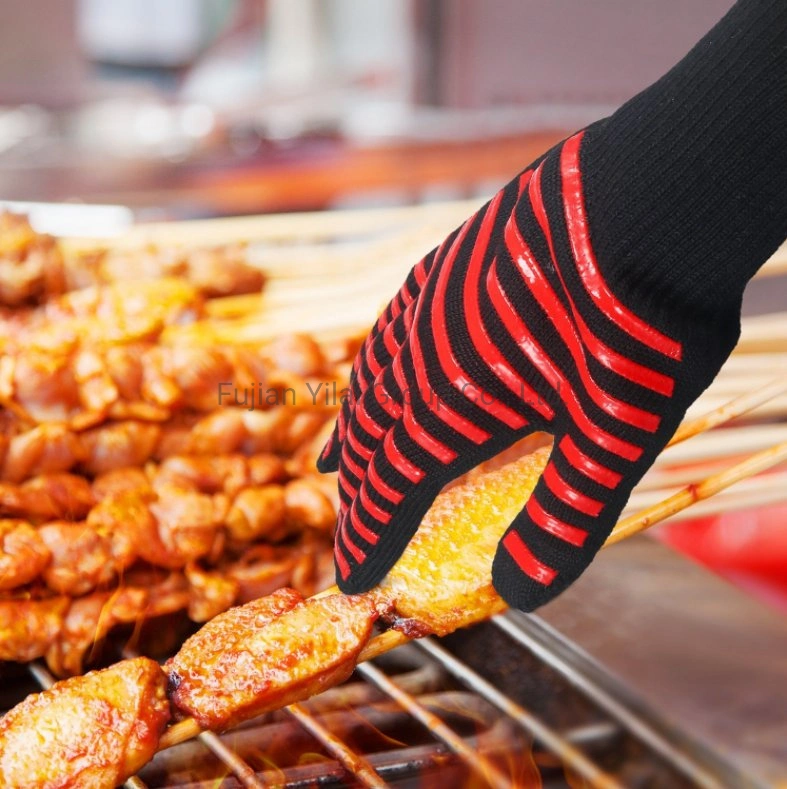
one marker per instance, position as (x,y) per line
(182,108)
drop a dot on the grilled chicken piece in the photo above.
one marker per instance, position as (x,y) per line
(23,554)
(31,266)
(40,450)
(88,619)
(266,654)
(89,732)
(443,579)
(46,497)
(29,627)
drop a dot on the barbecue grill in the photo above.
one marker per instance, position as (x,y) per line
(616,684)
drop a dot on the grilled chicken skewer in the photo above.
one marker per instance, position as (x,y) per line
(64,629)
(148,380)
(34,267)
(183,510)
(56,447)
(441,582)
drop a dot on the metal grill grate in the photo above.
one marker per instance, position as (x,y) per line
(449,712)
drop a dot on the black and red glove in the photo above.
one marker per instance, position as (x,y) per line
(594,297)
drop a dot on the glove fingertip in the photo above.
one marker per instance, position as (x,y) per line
(328,462)
(358,578)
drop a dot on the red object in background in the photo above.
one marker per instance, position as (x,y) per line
(748,547)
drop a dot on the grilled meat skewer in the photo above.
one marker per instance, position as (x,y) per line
(169,515)
(34,267)
(64,630)
(56,447)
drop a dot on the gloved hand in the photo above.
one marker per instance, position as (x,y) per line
(594,297)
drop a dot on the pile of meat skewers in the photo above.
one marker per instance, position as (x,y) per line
(134,481)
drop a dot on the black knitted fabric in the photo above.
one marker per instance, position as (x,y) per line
(594,297)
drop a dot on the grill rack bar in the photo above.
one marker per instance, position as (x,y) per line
(354,763)
(349,759)
(436,726)
(537,729)
(569,661)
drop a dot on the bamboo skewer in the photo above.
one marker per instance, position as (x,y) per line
(754,464)
(735,408)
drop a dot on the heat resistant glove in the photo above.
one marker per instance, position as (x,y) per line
(594,297)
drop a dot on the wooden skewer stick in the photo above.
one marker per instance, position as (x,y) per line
(754,464)
(188,728)
(735,408)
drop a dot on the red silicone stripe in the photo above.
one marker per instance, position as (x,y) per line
(587,466)
(445,354)
(385,400)
(420,271)
(362,531)
(396,308)
(480,337)
(417,432)
(346,486)
(341,562)
(549,523)
(527,343)
(579,237)
(375,511)
(611,359)
(358,447)
(408,317)
(352,465)
(389,340)
(439,408)
(375,368)
(527,562)
(354,550)
(407,469)
(381,486)
(533,277)
(524,180)
(366,422)
(569,495)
